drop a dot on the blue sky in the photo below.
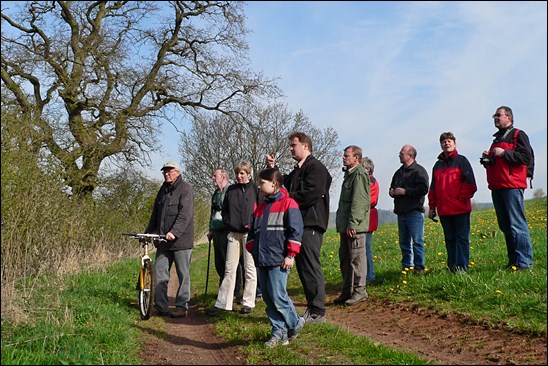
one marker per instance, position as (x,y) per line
(386,74)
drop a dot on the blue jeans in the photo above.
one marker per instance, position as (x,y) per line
(513,223)
(279,307)
(411,234)
(370,276)
(456,229)
(162,267)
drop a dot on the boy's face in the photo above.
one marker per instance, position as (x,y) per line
(242,177)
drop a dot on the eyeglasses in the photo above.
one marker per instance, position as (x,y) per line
(499,114)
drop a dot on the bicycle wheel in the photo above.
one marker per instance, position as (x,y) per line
(146,294)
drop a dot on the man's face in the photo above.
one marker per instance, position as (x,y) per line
(218,179)
(298,149)
(501,119)
(404,155)
(349,159)
(170,175)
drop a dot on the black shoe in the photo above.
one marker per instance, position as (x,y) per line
(160,312)
(213,311)
(341,299)
(419,270)
(246,310)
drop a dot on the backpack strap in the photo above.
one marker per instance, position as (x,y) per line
(516,132)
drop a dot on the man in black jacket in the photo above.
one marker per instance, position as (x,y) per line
(173,216)
(309,184)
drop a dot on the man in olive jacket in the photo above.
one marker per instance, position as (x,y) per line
(173,216)
(352,223)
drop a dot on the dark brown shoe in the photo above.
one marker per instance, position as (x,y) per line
(179,313)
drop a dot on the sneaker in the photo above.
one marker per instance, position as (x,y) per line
(341,299)
(356,299)
(293,333)
(273,342)
(179,313)
(246,310)
(310,318)
(419,270)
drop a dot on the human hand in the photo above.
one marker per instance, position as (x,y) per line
(270,160)
(399,191)
(170,236)
(498,151)
(288,262)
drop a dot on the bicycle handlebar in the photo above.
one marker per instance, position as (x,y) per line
(155,237)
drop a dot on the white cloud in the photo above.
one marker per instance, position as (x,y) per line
(385,74)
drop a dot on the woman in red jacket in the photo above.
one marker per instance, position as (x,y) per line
(453,185)
(369,166)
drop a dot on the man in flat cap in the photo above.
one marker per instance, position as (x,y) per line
(173,216)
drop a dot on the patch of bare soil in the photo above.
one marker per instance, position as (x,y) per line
(449,340)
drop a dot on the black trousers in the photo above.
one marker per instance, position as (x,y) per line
(310,270)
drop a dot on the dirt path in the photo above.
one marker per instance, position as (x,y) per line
(442,339)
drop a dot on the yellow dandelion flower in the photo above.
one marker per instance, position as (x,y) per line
(440,253)
(514,268)
(498,291)
(404,272)
(404,282)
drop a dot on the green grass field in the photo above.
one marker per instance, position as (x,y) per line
(91,317)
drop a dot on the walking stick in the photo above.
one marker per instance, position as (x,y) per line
(208,256)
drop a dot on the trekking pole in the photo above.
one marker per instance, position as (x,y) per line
(208,256)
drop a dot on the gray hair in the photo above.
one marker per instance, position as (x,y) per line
(367,163)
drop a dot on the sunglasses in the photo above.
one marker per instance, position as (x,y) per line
(499,114)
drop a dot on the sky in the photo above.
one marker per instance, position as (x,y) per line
(386,74)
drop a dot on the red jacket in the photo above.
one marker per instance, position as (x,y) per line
(510,170)
(374,196)
(453,185)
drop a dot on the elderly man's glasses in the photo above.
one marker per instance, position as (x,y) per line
(499,114)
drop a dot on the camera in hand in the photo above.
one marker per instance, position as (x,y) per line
(487,160)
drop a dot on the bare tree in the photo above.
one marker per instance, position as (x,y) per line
(538,193)
(216,141)
(94,80)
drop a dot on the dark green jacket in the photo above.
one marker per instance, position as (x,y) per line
(354,202)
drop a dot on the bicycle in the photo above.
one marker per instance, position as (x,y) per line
(146,284)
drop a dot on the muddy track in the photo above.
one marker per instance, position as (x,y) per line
(450,340)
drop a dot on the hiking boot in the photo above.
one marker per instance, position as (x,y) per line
(341,299)
(274,342)
(293,333)
(179,313)
(356,299)
(246,310)
(310,318)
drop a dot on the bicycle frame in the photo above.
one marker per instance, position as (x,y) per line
(146,283)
